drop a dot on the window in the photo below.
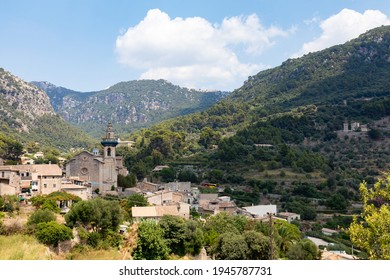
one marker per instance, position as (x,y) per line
(45,185)
(2,174)
(54,185)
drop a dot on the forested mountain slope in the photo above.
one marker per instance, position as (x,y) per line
(128,105)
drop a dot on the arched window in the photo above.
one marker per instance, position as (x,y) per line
(109,152)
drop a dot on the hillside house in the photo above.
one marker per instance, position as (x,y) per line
(158,168)
(217,205)
(76,187)
(177,186)
(9,181)
(164,198)
(208,196)
(153,212)
(261,210)
(39,155)
(26,160)
(289,216)
(328,231)
(30,179)
(145,186)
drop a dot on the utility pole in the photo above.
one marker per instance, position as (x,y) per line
(271,251)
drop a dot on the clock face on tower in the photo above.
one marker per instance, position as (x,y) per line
(84,170)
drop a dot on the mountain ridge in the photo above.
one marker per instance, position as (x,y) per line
(27,115)
(128,105)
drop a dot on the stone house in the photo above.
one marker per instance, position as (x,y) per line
(78,188)
(9,180)
(146,186)
(153,212)
(164,198)
(215,206)
(177,186)
(31,179)
(289,216)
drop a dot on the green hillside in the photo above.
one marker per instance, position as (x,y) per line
(128,105)
(280,136)
(26,116)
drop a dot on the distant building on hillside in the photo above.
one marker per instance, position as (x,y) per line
(289,216)
(261,210)
(154,212)
(346,127)
(354,126)
(101,171)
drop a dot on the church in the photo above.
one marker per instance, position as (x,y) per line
(101,171)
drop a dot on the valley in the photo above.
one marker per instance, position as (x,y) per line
(307,137)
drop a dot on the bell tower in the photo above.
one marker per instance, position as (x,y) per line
(109,143)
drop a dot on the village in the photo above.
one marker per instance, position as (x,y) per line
(92,174)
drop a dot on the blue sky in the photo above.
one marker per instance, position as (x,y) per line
(215,44)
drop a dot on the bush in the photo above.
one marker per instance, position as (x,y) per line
(15,227)
(40,216)
(52,233)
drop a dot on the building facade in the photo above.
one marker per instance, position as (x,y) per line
(31,179)
(101,171)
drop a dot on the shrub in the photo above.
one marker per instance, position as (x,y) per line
(40,216)
(51,233)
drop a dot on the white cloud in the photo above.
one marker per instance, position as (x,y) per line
(342,27)
(193,52)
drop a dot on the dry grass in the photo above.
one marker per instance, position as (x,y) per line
(22,247)
(91,254)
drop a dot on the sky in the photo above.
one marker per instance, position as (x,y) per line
(89,45)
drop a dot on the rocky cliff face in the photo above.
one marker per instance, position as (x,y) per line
(129,105)
(21,103)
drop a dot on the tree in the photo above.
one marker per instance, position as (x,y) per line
(40,216)
(187,175)
(375,134)
(51,233)
(97,214)
(231,247)
(150,244)
(194,239)
(132,201)
(370,230)
(167,174)
(128,181)
(139,169)
(215,175)
(337,202)
(174,229)
(258,245)
(303,250)
(288,235)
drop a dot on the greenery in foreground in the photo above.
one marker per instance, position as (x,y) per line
(224,236)
(370,230)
